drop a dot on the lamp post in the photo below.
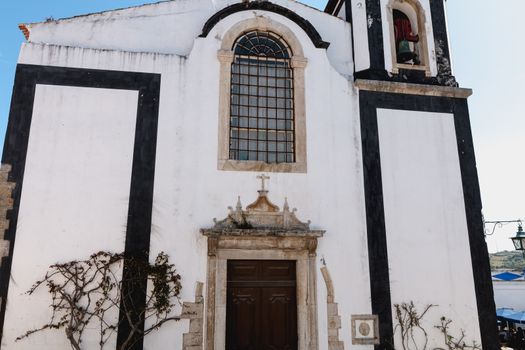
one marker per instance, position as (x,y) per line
(518,240)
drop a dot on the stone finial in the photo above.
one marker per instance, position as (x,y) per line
(239,205)
(263,177)
(262,214)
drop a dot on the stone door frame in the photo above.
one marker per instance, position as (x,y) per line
(255,244)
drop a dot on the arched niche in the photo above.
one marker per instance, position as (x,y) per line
(415,13)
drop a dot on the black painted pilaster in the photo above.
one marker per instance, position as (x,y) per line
(348,15)
(478,247)
(375,44)
(377,245)
(142,176)
(439,26)
(138,230)
(375,222)
(14,154)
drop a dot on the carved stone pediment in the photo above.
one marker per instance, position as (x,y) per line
(261,214)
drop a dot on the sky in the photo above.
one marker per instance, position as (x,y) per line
(486,38)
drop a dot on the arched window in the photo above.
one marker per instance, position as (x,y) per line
(262,109)
(262,99)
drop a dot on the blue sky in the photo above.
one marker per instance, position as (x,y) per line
(488,55)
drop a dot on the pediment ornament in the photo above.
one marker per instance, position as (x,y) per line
(262,214)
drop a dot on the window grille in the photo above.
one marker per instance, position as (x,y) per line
(262,100)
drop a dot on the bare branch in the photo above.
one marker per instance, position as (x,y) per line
(84,292)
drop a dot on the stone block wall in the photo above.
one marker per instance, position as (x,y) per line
(6,204)
(193,340)
(334,320)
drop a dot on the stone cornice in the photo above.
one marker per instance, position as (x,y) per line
(412,89)
(261,233)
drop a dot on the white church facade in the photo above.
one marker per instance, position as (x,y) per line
(132,130)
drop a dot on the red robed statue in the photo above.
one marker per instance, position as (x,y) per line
(404,35)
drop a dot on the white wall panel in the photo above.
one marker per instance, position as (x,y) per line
(428,247)
(75,196)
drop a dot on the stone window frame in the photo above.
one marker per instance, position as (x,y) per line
(298,63)
(258,244)
(421,31)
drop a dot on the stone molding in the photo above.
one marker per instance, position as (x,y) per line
(298,62)
(6,204)
(268,241)
(412,89)
(264,216)
(223,247)
(334,320)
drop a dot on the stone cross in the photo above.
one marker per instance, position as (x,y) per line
(262,178)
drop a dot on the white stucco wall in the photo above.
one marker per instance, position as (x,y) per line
(190,191)
(74,199)
(427,237)
(171,27)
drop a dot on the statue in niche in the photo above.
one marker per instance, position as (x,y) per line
(405,39)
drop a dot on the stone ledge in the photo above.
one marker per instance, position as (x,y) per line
(261,232)
(412,89)
(250,165)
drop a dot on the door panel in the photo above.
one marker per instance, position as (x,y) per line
(279,314)
(261,310)
(241,318)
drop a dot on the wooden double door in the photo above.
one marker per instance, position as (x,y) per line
(261,309)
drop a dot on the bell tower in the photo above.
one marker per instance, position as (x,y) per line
(411,111)
(398,40)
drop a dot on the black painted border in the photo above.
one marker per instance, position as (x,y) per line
(266,6)
(441,44)
(349,18)
(375,216)
(331,7)
(143,168)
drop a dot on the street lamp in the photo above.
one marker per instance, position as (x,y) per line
(518,240)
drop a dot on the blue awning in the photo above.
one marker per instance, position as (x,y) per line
(507,276)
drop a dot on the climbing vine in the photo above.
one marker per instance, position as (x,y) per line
(409,325)
(414,336)
(94,292)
